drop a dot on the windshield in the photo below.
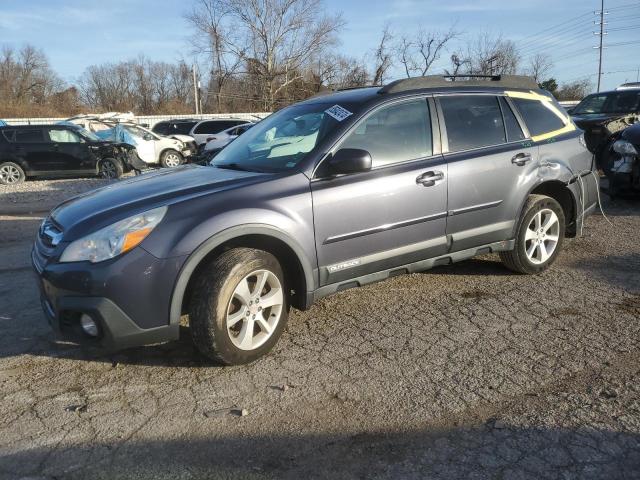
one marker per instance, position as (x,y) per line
(279,142)
(613,102)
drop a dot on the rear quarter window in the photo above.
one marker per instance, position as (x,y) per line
(539,119)
(8,135)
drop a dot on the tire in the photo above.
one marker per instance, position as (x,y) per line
(171,159)
(11,173)
(110,168)
(220,320)
(531,253)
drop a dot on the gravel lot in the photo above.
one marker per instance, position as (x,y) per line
(466,372)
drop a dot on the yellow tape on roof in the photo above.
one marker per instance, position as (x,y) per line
(546,101)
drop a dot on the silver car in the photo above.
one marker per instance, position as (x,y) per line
(335,192)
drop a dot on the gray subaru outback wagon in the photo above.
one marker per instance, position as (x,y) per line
(334,192)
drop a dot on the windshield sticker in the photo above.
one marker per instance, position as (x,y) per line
(338,112)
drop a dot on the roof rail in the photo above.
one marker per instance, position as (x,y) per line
(439,81)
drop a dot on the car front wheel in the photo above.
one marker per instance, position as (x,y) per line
(171,158)
(238,307)
(539,236)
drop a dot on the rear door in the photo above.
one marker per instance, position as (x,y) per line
(394,214)
(490,162)
(30,145)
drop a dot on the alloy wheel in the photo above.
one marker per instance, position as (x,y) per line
(9,174)
(108,169)
(541,237)
(254,309)
(172,160)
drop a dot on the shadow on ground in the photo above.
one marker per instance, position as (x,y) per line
(493,450)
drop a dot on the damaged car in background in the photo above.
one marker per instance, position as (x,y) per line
(152,149)
(621,161)
(59,151)
(604,114)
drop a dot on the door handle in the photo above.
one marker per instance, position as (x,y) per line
(521,159)
(429,179)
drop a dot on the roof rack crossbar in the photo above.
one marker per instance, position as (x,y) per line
(440,81)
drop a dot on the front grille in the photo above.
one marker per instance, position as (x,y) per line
(49,236)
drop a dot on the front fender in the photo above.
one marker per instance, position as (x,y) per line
(222,237)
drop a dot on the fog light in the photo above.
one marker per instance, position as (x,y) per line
(88,325)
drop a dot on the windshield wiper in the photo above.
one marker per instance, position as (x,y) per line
(234,166)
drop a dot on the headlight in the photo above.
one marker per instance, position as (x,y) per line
(624,148)
(115,239)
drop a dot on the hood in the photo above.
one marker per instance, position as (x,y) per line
(93,210)
(182,138)
(591,120)
(632,134)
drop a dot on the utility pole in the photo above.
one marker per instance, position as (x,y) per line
(602,34)
(195,90)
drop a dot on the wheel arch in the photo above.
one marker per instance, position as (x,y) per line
(297,269)
(561,193)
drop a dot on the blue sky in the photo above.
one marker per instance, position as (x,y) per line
(78,33)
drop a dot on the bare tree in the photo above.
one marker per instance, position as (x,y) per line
(457,63)
(491,55)
(27,82)
(418,53)
(575,90)
(278,38)
(214,38)
(539,66)
(383,56)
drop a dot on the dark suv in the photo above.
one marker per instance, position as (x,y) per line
(335,192)
(59,150)
(603,114)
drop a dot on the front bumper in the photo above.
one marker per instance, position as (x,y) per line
(128,298)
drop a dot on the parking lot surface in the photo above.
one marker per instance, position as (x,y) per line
(467,371)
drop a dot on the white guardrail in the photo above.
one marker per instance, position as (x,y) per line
(148,120)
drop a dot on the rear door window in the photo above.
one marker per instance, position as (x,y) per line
(28,136)
(395,133)
(472,121)
(514,132)
(539,119)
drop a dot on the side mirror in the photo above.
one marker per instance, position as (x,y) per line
(348,160)
(148,137)
(570,110)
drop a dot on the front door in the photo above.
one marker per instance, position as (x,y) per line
(394,214)
(490,161)
(69,151)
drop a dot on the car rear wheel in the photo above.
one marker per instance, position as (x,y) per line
(171,159)
(539,236)
(110,168)
(11,173)
(238,307)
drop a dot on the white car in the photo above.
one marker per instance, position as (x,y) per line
(151,148)
(222,139)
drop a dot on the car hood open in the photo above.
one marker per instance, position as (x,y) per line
(90,211)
